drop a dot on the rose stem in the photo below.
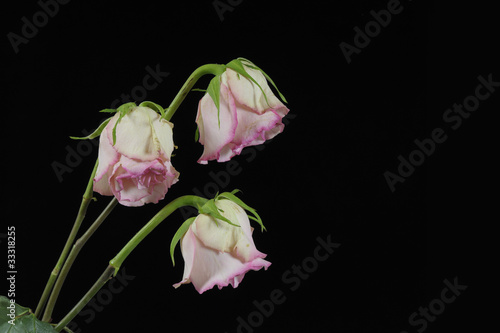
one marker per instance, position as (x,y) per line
(87,197)
(214,69)
(116,262)
(72,256)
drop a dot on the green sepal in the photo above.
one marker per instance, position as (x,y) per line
(197,134)
(178,235)
(124,109)
(237,66)
(238,201)
(156,107)
(209,208)
(214,91)
(109,110)
(94,134)
(268,78)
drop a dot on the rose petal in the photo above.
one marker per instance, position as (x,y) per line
(205,267)
(222,236)
(254,129)
(212,137)
(162,131)
(136,183)
(135,135)
(107,158)
(249,94)
(188,249)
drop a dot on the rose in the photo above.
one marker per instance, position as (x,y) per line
(136,169)
(218,253)
(247,115)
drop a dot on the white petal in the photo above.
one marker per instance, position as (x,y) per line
(249,94)
(138,137)
(216,139)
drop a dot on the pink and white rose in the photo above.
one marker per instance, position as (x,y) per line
(246,117)
(218,254)
(136,169)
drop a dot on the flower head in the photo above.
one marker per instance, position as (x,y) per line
(219,251)
(242,112)
(134,157)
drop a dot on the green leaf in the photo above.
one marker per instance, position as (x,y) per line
(18,319)
(154,106)
(214,91)
(94,134)
(178,235)
(238,201)
(268,78)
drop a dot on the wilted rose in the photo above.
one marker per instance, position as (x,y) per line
(218,253)
(136,169)
(247,116)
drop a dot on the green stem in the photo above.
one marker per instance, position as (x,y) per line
(72,256)
(214,69)
(186,200)
(116,262)
(108,273)
(87,197)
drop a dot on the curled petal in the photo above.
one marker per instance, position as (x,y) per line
(217,253)
(206,267)
(107,158)
(250,114)
(136,168)
(136,183)
(254,129)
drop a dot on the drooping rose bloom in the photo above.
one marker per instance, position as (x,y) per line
(217,253)
(246,118)
(137,168)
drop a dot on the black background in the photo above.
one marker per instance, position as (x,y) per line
(323,176)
